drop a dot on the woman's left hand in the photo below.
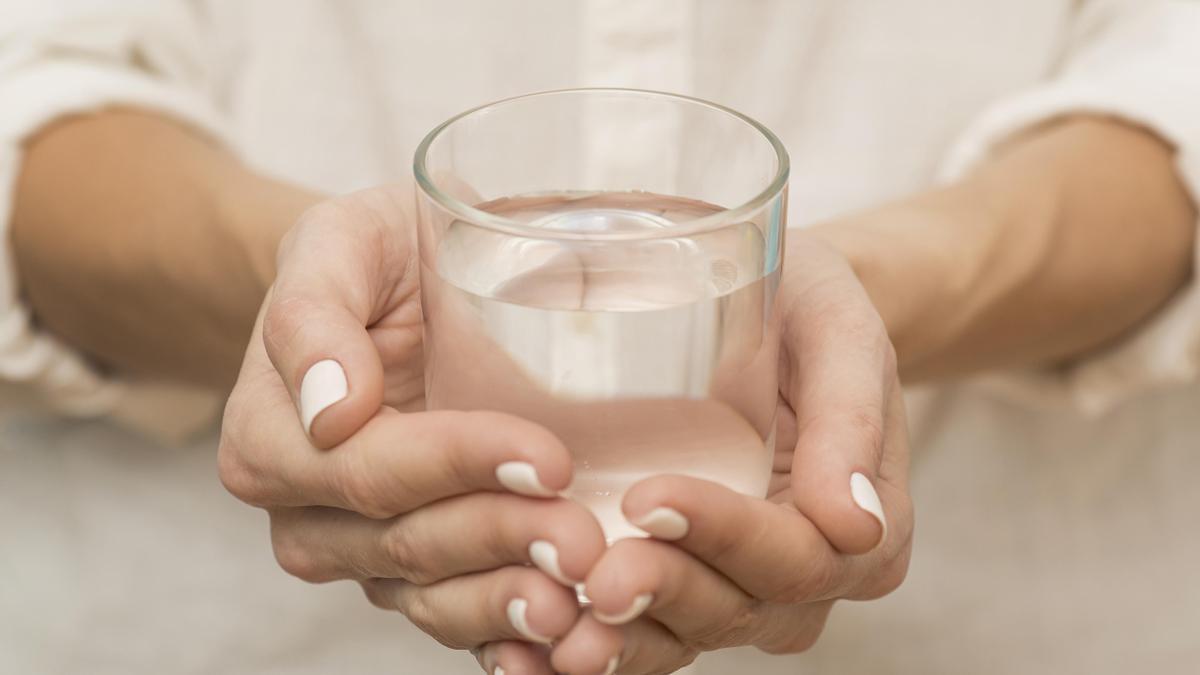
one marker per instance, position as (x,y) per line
(723,569)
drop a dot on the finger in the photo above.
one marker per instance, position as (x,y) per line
(340,268)
(460,535)
(646,577)
(511,657)
(651,648)
(842,369)
(772,552)
(590,648)
(512,603)
(793,628)
(395,463)
(700,607)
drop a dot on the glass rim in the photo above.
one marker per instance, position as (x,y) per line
(679,228)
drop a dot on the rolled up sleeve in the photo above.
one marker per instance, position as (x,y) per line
(1139,62)
(66,58)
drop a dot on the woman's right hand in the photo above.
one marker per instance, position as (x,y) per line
(436,514)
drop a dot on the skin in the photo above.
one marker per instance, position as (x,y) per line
(1067,239)
(165,246)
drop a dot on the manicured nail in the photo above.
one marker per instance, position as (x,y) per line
(323,385)
(545,556)
(516,616)
(863,494)
(498,671)
(640,603)
(522,478)
(664,523)
(612,665)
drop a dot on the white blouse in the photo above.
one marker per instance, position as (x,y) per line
(873,99)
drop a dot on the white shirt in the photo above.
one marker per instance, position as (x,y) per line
(1056,528)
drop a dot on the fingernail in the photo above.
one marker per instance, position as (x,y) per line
(323,385)
(498,671)
(516,615)
(863,494)
(522,478)
(664,523)
(639,605)
(545,556)
(612,665)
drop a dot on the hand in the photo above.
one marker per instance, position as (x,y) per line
(436,514)
(746,571)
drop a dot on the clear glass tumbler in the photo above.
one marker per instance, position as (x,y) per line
(605,262)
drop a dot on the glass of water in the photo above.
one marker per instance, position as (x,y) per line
(605,262)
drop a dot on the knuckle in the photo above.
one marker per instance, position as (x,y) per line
(310,230)
(499,542)
(800,641)
(451,460)
(725,543)
(457,458)
(355,222)
(320,217)
(743,533)
(376,594)
(687,658)
(869,426)
(735,630)
(792,638)
(887,578)
(836,302)
(805,586)
(362,493)
(859,427)
(362,484)
(236,474)
(729,542)
(295,558)
(893,575)
(401,551)
(283,321)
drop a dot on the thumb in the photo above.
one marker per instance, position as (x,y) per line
(315,327)
(842,385)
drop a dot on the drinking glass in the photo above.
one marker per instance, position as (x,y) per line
(605,262)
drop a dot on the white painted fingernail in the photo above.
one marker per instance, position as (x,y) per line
(545,556)
(516,615)
(612,665)
(323,385)
(522,478)
(498,671)
(639,605)
(863,494)
(664,523)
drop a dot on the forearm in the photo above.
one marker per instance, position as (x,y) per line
(1067,239)
(146,245)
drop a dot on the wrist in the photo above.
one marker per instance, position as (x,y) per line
(254,212)
(921,261)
